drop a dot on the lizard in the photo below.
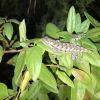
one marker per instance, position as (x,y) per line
(66,47)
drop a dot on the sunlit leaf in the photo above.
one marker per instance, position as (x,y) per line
(22,31)
(93,21)
(64,78)
(34,89)
(77,23)
(65,60)
(81,76)
(85,26)
(92,58)
(8,30)
(71,20)
(34,61)
(87,44)
(3,91)
(93,32)
(47,77)
(78,92)
(20,64)
(52,30)
(52,58)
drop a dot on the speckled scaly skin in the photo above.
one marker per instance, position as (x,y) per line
(66,47)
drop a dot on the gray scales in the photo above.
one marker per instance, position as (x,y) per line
(66,47)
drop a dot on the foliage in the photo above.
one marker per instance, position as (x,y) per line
(36,77)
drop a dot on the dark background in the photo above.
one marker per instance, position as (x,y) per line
(37,14)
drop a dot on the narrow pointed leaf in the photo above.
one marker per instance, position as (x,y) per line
(47,77)
(71,20)
(85,26)
(3,91)
(93,21)
(64,78)
(77,23)
(34,61)
(22,31)
(8,30)
(52,30)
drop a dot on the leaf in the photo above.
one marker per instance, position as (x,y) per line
(52,58)
(93,32)
(24,95)
(78,92)
(42,96)
(87,44)
(95,39)
(64,78)
(92,58)
(65,36)
(98,46)
(13,60)
(3,91)
(20,64)
(63,92)
(47,78)
(93,21)
(71,20)
(2,21)
(77,23)
(34,89)
(85,26)
(8,30)
(65,60)
(1,53)
(52,30)
(34,61)
(22,31)
(81,76)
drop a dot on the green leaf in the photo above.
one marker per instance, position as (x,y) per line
(34,61)
(34,89)
(47,78)
(65,35)
(8,30)
(87,44)
(42,96)
(81,76)
(64,78)
(22,31)
(66,60)
(71,20)
(93,32)
(78,92)
(3,91)
(77,23)
(51,30)
(98,46)
(92,58)
(95,39)
(14,21)
(63,92)
(13,60)
(2,21)
(20,64)
(52,58)
(84,65)
(85,26)
(93,21)
(24,95)
(1,53)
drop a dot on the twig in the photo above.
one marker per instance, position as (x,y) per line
(13,51)
(51,65)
